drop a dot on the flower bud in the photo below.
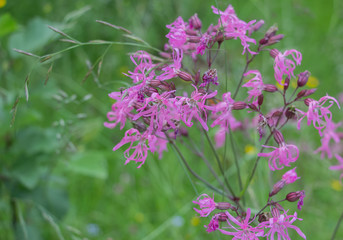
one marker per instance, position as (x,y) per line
(183,131)
(294,196)
(193,39)
(274,53)
(194,22)
(220,37)
(222,217)
(278,137)
(275,39)
(257,26)
(239,105)
(303,78)
(277,187)
(286,84)
(165,55)
(269,88)
(275,212)
(197,78)
(271,32)
(184,76)
(223,205)
(191,32)
(263,41)
(260,99)
(305,93)
(307,101)
(253,107)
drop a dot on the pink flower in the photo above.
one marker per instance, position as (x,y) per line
(290,176)
(171,71)
(234,27)
(281,156)
(329,133)
(140,151)
(194,107)
(204,41)
(143,68)
(241,229)
(317,114)
(213,225)
(301,200)
(223,113)
(206,204)
(338,167)
(283,65)
(279,225)
(255,83)
(177,35)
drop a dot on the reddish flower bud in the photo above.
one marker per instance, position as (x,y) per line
(222,217)
(191,32)
(305,93)
(253,107)
(223,205)
(263,41)
(194,22)
(278,137)
(277,187)
(154,83)
(303,78)
(275,212)
(286,84)
(271,32)
(197,78)
(183,131)
(307,101)
(294,196)
(260,99)
(239,105)
(274,52)
(185,76)
(269,88)
(220,37)
(275,39)
(193,39)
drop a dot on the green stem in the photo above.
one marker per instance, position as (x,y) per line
(219,164)
(337,226)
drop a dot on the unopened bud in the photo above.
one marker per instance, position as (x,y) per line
(239,105)
(194,22)
(294,196)
(193,39)
(277,187)
(275,212)
(253,107)
(185,76)
(263,41)
(257,26)
(260,99)
(197,78)
(223,205)
(183,131)
(271,32)
(274,53)
(307,101)
(222,217)
(306,93)
(166,55)
(269,88)
(154,83)
(278,137)
(290,112)
(220,37)
(275,39)
(191,32)
(286,84)
(303,78)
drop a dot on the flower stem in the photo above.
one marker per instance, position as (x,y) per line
(209,185)
(337,226)
(219,163)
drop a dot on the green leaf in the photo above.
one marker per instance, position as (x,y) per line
(7,24)
(92,164)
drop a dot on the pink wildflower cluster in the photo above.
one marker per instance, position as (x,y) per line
(273,224)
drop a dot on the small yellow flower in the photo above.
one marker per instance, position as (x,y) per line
(139,217)
(195,221)
(250,149)
(312,82)
(2,3)
(336,185)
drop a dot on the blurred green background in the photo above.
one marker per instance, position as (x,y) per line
(59,176)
